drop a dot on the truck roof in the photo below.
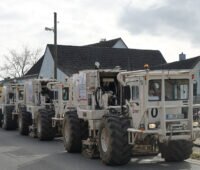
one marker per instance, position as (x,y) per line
(157,72)
(115,70)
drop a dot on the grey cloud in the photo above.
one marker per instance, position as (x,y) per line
(179,18)
(10,16)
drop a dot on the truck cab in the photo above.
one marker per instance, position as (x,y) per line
(161,108)
(11,98)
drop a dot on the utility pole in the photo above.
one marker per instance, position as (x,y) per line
(54,29)
(55,46)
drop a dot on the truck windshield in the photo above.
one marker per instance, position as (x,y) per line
(176,89)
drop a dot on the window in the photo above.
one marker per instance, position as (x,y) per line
(65,93)
(176,89)
(55,95)
(135,92)
(21,94)
(154,90)
(195,89)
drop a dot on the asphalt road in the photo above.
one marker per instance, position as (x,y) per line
(26,153)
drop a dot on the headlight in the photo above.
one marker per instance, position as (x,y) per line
(195,124)
(152,125)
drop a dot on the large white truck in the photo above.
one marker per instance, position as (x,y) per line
(11,98)
(46,101)
(115,113)
(61,103)
(37,110)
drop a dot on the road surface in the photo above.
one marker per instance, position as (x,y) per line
(25,153)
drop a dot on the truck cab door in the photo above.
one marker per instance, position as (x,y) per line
(136,100)
(154,99)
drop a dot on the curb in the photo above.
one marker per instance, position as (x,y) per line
(194,161)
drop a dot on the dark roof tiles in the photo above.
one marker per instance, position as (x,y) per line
(106,43)
(71,59)
(35,69)
(177,65)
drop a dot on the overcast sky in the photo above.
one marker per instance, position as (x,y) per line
(171,26)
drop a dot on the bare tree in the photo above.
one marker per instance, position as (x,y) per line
(18,63)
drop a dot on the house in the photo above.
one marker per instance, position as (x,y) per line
(192,64)
(109,54)
(114,43)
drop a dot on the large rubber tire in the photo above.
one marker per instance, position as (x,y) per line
(45,131)
(9,123)
(72,132)
(1,117)
(176,150)
(24,121)
(113,147)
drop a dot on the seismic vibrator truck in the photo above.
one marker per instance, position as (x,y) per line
(11,100)
(46,101)
(115,114)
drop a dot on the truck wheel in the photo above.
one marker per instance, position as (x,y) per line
(1,117)
(176,150)
(45,131)
(8,122)
(72,132)
(113,141)
(24,121)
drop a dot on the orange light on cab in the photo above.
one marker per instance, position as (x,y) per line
(146,66)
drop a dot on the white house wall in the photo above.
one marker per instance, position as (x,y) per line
(61,76)
(47,69)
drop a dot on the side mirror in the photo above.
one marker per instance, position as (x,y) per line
(127,92)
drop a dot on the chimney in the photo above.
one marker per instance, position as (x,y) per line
(182,56)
